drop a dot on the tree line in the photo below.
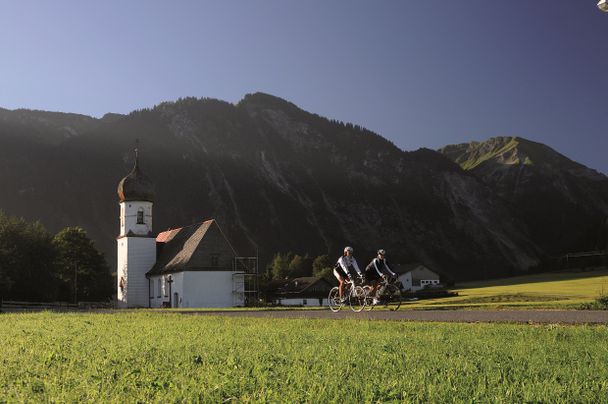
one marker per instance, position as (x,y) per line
(290,265)
(36,265)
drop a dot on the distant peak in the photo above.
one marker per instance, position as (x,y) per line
(260,96)
(112,117)
(266,100)
(511,151)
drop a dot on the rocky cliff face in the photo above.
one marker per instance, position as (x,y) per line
(276,178)
(563,203)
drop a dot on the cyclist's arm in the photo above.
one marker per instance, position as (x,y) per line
(342,262)
(356,267)
(389,270)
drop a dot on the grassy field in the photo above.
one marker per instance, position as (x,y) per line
(155,357)
(558,290)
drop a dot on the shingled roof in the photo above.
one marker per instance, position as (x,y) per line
(183,249)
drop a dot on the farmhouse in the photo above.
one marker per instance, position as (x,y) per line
(305,291)
(192,266)
(415,277)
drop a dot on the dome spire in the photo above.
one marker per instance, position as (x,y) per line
(136,186)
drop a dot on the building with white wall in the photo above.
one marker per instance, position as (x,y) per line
(192,266)
(415,277)
(136,244)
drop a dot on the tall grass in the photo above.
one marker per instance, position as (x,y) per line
(154,357)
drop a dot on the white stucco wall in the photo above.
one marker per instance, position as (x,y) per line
(128,218)
(406,281)
(309,302)
(428,282)
(208,289)
(167,293)
(177,290)
(199,289)
(136,255)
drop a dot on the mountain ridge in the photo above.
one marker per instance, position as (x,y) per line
(277,179)
(535,179)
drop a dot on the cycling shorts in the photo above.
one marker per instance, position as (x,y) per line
(339,273)
(372,275)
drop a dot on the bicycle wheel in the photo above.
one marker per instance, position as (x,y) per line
(369,300)
(356,299)
(334,299)
(393,296)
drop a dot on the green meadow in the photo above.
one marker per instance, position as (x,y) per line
(555,290)
(170,357)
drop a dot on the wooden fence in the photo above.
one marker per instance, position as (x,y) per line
(15,306)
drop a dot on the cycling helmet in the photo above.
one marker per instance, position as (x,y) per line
(381,252)
(348,249)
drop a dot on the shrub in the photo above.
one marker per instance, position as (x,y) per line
(601,303)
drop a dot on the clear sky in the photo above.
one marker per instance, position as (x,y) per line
(421,73)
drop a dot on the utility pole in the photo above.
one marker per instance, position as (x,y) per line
(75,283)
(170,281)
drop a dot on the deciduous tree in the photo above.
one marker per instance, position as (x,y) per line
(81,268)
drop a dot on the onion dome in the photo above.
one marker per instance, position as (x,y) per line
(136,186)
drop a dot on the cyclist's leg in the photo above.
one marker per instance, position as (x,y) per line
(341,283)
(382,287)
(374,281)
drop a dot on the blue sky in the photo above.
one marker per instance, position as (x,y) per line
(423,74)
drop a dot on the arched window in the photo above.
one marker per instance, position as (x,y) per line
(140,216)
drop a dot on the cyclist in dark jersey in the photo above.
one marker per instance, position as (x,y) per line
(376,270)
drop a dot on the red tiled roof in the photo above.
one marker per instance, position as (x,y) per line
(168,235)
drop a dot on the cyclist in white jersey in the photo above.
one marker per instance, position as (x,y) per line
(342,269)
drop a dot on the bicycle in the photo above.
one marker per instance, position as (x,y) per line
(354,294)
(389,295)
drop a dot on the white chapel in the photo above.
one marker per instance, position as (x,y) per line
(192,266)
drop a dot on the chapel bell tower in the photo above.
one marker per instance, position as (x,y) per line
(136,243)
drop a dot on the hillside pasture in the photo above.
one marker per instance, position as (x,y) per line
(169,357)
(556,290)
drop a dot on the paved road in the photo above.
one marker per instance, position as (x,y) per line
(461,316)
